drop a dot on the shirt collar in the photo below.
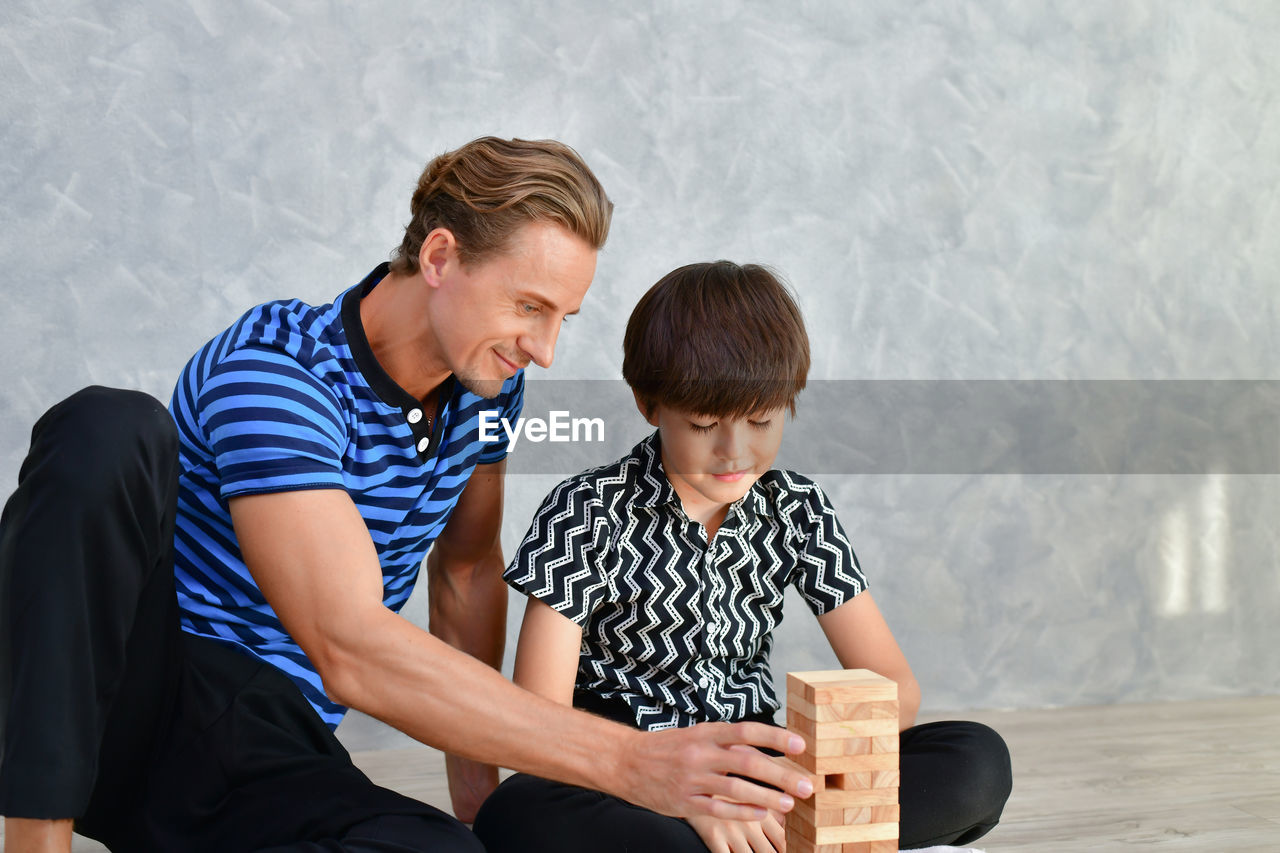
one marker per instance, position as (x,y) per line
(654,489)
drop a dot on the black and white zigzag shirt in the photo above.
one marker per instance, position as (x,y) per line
(678,630)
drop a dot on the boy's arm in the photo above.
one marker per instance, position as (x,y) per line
(861,639)
(547,654)
(311,555)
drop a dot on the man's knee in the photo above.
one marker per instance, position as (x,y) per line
(114,414)
(102,430)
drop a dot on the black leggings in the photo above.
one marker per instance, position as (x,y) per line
(153,739)
(956,777)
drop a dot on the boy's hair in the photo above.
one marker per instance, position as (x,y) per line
(716,339)
(487,189)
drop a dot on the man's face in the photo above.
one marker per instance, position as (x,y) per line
(495,316)
(712,462)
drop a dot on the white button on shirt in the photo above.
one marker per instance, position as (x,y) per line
(414,416)
(423,444)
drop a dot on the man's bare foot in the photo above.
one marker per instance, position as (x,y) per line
(24,835)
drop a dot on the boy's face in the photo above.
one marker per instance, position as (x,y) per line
(712,461)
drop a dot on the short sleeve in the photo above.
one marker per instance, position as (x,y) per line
(271,425)
(512,404)
(560,560)
(827,571)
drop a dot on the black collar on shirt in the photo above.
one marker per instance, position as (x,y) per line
(387,389)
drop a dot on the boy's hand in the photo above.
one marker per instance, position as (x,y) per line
(685,772)
(741,836)
(470,783)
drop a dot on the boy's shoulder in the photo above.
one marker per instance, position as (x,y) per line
(793,497)
(634,478)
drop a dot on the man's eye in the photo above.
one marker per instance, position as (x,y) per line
(703,428)
(761,424)
(529,308)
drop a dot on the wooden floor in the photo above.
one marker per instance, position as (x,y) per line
(1201,776)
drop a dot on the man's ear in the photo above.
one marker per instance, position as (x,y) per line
(647,409)
(439,252)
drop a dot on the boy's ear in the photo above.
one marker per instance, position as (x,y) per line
(648,410)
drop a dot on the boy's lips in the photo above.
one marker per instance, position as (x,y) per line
(731,476)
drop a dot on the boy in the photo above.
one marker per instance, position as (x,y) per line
(655,583)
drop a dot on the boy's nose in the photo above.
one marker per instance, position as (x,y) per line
(732,441)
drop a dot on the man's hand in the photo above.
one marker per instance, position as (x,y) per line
(685,772)
(470,784)
(741,836)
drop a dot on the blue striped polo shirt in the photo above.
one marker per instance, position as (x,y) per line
(291,397)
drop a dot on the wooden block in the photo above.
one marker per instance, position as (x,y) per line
(856,815)
(839,746)
(885,743)
(884,778)
(832,764)
(887,846)
(804,835)
(805,812)
(825,687)
(857,781)
(818,780)
(797,843)
(884,709)
(850,781)
(856,832)
(812,730)
(849,720)
(884,814)
(837,799)
(832,811)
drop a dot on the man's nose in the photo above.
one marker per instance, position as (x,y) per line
(540,345)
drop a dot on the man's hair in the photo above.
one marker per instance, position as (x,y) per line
(717,339)
(487,189)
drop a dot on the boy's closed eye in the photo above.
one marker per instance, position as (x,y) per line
(755,423)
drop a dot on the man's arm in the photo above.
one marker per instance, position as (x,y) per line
(861,639)
(547,664)
(311,555)
(468,607)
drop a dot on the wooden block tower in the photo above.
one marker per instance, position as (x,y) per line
(849,720)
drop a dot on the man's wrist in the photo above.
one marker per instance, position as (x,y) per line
(613,764)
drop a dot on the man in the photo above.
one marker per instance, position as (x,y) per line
(319,453)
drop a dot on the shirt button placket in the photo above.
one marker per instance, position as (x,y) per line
(712,618)
(710,625)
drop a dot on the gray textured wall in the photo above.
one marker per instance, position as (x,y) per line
(957,190)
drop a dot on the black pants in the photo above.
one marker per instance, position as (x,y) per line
(153,739)
(956,777)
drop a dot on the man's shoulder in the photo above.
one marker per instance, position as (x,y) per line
(308,333)
(288,331)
